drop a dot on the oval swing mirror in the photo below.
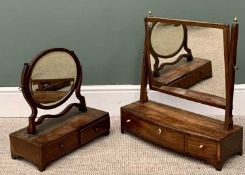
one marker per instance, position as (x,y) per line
(49,80)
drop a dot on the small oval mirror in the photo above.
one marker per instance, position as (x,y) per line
(52,78)
(167,39)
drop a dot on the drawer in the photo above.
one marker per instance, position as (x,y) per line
(94,130)
(153,133)
(197,75)
(60,147)
(202,148)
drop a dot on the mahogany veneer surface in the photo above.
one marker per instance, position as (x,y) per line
(57,137)
(183,131)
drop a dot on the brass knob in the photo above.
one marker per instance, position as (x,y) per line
(159,131)
(235,19)
(236,67)
(201,146)
(128,121)
(150,24)
(61,145)
(149,13)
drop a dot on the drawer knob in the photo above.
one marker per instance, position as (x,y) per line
(159,131)
(61,146)
(128,121)
(97,129)
(201,146)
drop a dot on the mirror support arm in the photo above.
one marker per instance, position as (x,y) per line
(31,129)
(82,104)
(145,72)
(143,88)
(188,50)
(231,76)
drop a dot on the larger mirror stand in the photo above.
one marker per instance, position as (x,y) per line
(183,131)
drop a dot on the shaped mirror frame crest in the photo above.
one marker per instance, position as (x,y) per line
(34,104)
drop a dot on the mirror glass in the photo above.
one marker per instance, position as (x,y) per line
(204,73)
(167,39)
(53,77)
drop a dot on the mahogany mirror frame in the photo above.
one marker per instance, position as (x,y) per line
(230,38)
(25,88)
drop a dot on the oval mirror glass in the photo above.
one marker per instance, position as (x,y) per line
(52,78)
(167,39)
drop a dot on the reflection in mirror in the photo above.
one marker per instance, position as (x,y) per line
(204,73)
(167,39)
(53,77)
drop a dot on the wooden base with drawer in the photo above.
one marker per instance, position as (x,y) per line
(57,137)
(182,131)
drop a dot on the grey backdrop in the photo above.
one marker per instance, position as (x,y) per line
(106,35)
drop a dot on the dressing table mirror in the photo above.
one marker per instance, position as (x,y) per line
(46,83)
(195,61)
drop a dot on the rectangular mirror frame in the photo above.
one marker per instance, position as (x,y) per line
(230,46)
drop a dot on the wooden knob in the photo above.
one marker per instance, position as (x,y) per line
(201,146)
(128,121)
(96,129)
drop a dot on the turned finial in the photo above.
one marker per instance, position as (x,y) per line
(150,13)
(235,19)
